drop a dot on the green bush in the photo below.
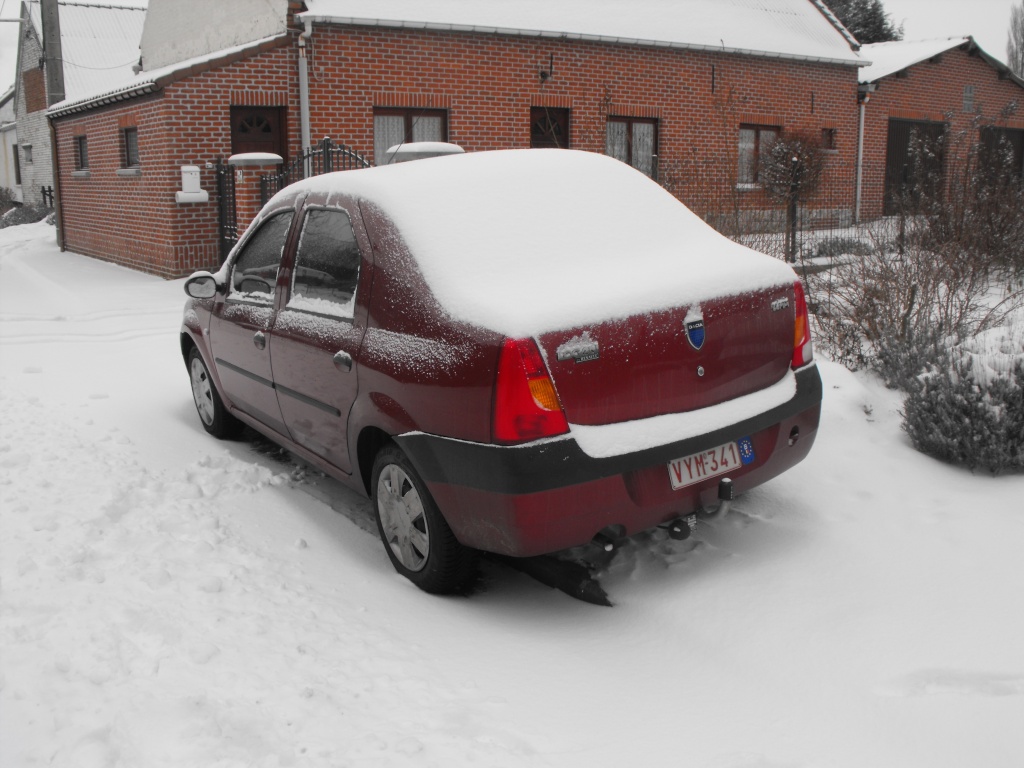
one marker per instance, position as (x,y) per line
(959,416)
(24,214)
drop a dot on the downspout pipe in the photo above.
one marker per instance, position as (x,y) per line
(304,90)
(864,96)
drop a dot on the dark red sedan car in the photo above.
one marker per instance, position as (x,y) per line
(514,352)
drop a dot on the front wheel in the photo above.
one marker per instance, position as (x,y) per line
(212,412)
(416,536)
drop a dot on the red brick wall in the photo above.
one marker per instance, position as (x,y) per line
(486,82)
(134,220)
(933,91)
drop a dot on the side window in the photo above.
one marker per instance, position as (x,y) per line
(634,141)
(255,271)
(549,128)
(327,265)
(755,141)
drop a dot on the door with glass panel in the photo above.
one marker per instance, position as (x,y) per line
(318,331)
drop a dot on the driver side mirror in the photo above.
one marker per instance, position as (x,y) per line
(202,285)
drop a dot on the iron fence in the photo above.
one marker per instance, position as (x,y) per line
(324,157)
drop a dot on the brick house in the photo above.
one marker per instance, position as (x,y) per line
(686,93)
(947,92)
(93,46)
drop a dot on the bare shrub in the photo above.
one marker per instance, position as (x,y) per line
(892,312)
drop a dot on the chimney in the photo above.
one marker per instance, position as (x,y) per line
(52,52)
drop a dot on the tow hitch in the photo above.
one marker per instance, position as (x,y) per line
(682,527)
(726,493)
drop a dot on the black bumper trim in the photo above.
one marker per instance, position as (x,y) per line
(544,466)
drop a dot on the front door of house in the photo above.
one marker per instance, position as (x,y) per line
(258,129)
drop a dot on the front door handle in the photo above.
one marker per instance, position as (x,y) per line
(259,340)
(343,361)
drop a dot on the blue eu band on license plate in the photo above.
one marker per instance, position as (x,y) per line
(710,463)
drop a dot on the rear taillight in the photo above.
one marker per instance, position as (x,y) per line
(526,406)
(803,349)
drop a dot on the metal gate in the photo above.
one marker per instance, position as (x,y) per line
(325,157)
(226,218)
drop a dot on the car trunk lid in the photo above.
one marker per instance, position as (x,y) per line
(673,360)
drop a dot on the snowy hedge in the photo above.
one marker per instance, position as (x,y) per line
(968,408)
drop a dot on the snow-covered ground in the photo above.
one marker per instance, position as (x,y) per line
(170,600)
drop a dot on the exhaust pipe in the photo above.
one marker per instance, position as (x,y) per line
(681,528)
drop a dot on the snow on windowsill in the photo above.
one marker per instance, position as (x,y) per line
(82,174)
(129,171)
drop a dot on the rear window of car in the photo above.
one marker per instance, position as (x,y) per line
(327,265)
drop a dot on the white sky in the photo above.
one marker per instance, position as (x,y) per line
(986,20)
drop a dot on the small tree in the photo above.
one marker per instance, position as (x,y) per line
(866,20)
(790,173)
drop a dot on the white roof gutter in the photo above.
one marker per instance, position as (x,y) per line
(112,97)
(513,32)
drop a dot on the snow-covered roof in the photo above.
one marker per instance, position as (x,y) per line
(602,241)
(99,44)
(792,29)
(152,80)
(889,58)
(7,106)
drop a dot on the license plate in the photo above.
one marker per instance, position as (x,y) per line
(710,463)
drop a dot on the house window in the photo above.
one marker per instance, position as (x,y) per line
(754,141)
(968,98)
(131,147)
(27,150)
(392,127)
(81,153)
(549,128)
(17,165)
(828,139)
(633,141)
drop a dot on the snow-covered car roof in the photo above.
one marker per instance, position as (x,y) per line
(532,240)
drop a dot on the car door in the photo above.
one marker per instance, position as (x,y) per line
(319,329)
(241,323)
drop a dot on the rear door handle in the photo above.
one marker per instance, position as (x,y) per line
(259,340)
(343,361)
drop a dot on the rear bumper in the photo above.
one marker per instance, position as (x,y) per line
(546,496)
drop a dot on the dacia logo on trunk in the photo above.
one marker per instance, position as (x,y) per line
(695,333)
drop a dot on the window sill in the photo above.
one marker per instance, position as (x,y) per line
(129,171)
(82,174)
(747,187)
(830,151)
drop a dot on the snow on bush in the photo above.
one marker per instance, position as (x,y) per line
(968,407)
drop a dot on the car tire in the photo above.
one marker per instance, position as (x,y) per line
(415,534)
(214,416)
